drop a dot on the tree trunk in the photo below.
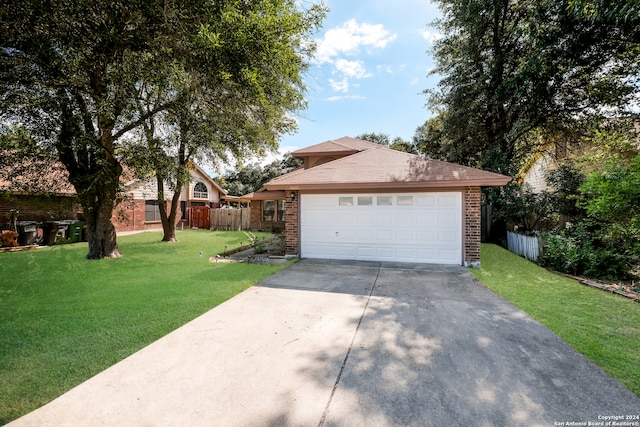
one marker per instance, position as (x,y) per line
(101,234)
(168,219)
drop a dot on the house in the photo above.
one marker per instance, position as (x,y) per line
(550,154)
(49,197)
(140,211)
(357,200)
(52,197)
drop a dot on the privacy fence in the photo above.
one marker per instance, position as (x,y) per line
(524,245)
(230,219)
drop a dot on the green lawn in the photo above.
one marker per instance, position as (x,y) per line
(63,318)
(602,326)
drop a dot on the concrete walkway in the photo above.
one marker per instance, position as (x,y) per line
(327,343)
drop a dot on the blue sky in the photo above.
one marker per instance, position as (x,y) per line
(369,71)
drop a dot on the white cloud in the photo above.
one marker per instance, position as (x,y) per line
(385,68)
(431,37)
(341,97)
(353,69)
(348,38)
(341,85)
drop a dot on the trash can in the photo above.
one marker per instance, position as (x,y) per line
(53,230)
(75,233)
(27,232)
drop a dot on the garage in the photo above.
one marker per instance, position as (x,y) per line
(425,227)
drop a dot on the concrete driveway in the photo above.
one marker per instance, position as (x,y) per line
(334,343)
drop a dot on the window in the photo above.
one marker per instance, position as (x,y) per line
(405,200)
(151,211)
(268,210)
(281,210)
(365,200)
(385,200)
(200,191)
(273,210)
(346,201)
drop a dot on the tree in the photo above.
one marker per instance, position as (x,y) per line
(384,139)
(252,177)
(509,67)
(72,73)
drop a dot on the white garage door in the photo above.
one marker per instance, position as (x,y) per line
(411,227)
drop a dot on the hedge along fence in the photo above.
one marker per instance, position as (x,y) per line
(524,245)
(230,219)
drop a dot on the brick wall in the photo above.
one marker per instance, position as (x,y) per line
(39,208)
(472,226)
(292,224)
(129,216)
(256,222)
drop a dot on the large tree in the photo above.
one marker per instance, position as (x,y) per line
(509,66)
(72,73)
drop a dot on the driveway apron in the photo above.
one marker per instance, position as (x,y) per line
(337,343)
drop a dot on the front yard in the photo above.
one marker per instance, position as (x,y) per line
(602,326)
(64,319)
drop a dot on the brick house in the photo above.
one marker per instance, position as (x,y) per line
(139,210)
(54,198)
(354,199)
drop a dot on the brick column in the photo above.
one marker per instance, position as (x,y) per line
(472,224)
(292,224)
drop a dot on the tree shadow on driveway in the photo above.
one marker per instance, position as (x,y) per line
(436,347)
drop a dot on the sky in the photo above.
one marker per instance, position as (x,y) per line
(369,71)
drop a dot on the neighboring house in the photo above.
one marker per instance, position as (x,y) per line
(140,210)
(357,200)
(549,156)
(49,197)
(52,197)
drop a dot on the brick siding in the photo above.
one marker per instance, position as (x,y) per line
(472,224)
(292,224)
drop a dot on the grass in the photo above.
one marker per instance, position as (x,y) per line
(64,319)
(602,326)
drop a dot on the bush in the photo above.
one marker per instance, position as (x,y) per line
(582,251)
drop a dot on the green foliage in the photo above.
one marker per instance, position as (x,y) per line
(581,250)
(64,319)
(257,243)
(81,76)
(396,143)
(517,204)
(566,181)
(511,67)
(252,177)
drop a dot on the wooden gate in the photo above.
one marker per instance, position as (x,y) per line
(200,217)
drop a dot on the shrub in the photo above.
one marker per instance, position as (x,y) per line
(582,251)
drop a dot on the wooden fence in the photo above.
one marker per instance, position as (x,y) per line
(523,245)
(230,219)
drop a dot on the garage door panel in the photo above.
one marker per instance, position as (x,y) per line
(426,236)
(429,229)
(425,201)
(446,200)
(404,236)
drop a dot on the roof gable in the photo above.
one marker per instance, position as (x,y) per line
(345,145)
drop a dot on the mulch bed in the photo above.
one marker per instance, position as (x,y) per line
(629,288)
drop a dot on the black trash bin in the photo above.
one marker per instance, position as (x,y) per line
(54,230)
(27,232)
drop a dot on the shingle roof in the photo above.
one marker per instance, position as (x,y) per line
(344,145)
(378,167)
